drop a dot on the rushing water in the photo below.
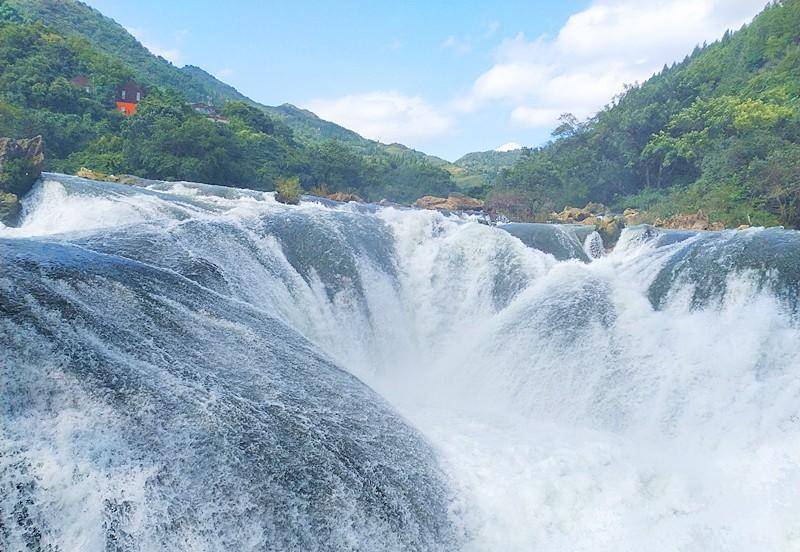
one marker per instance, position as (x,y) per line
(188,367)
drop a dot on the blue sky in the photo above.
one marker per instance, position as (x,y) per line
(441,76)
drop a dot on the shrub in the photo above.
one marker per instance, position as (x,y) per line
(17,176)
(320,190)
(288,190)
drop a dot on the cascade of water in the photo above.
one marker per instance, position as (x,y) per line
(642,399)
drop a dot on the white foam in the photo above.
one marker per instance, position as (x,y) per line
(568,415)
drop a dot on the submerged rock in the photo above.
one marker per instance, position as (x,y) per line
(610,229)
(91,174)
(132,180)
(21,163)
(10,209)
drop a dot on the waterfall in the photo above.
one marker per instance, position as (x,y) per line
(197,367)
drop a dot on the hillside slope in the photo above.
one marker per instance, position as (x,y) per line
(74,18)
(719,131)
(71,18)
(490,163)
(46,43)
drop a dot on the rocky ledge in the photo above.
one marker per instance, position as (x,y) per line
(610,226)
(694,221)
(453,202)
(596,214)
(21,163)
(345,197)
(91,174)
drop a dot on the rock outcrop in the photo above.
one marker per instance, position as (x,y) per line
(696,221)
(576,215)
(345,197)
(21,163)
(91,174)
(453,202)
(632,217)
(596,214)
(129,179)
(609,227)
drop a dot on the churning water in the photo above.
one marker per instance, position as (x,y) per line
(188,367)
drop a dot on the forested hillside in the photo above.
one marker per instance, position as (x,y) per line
(489,163)
(719,131)
(44,44)
(71,18)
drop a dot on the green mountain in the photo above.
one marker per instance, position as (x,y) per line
(73,18)
(489,164)
(719,131)
(70,18)
(44,44)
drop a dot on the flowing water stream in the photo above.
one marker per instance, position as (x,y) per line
(201,368)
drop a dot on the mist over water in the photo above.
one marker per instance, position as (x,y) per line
(194,367)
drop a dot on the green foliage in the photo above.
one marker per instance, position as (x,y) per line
(288,190)
(167,140)
(779,177)
(489,164)
(76,20)
(8,13)
(46,43)
(72,19)
(718,131)
(17,176)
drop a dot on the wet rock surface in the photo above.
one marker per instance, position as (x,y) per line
(21,163)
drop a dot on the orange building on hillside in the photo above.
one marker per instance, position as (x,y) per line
(128,97)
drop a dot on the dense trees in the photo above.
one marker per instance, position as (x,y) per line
(719,131)
(167,139)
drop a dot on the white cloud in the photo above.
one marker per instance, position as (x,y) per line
(225,72)
(535,116)
(384,116)
(491,28)
(514,80)
(457,45)
(597,52)
(173,55)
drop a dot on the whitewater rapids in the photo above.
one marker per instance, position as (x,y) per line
(191,367)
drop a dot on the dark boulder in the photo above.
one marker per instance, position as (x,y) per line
(21,163)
